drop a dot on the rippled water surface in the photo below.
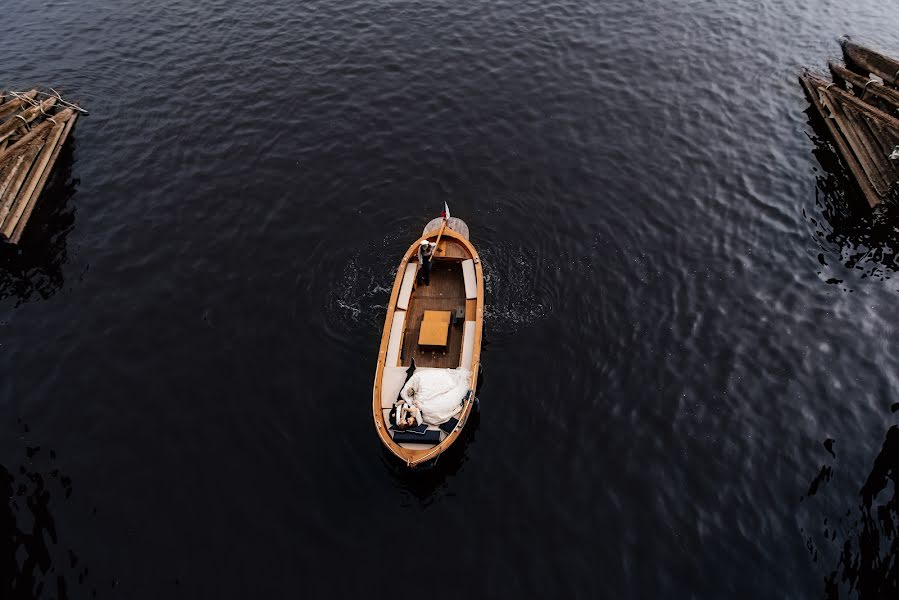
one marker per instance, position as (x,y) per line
(684,303)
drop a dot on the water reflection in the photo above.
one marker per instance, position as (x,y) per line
(34,267)
(33,564)
(427,483)
(867,536)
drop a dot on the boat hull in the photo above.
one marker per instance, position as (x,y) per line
(453,253)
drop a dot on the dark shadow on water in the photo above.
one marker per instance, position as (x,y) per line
(34,268)
(859,547)
(866,240)
(426,483)
(33,563)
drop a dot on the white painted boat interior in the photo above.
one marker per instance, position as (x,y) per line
(396,338)
(471,286)
(407,285)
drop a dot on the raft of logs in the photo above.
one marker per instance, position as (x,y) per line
(860,108)
(33,128)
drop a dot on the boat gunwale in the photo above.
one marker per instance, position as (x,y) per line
(413,457)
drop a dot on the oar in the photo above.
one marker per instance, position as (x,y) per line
(437,243)
(446,216)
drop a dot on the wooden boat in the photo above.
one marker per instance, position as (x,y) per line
(451,304)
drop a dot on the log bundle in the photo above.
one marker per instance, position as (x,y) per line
(33,128)
(860,108)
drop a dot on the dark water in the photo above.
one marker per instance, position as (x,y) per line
(683,305)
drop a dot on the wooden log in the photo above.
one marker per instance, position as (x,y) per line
(10,174)
(28,146)
(12,190)
(872,154)
(27,116)
(873,136)
(887,138)
(38,130)
(60,142)
(862,151)
(844,108)
(868,89)
(11,106)
(812,87)
(35,177)
(21,201)
(866,109)
(869,61)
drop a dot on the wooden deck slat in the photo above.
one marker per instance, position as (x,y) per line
(446,292)
(452,249)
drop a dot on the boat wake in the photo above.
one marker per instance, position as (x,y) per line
(517,282)
(516,290)
(361,291)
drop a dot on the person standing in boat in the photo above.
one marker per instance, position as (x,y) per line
(425,253)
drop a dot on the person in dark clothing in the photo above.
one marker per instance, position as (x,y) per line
(425,252)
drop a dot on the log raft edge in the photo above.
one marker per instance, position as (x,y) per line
(32,132)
